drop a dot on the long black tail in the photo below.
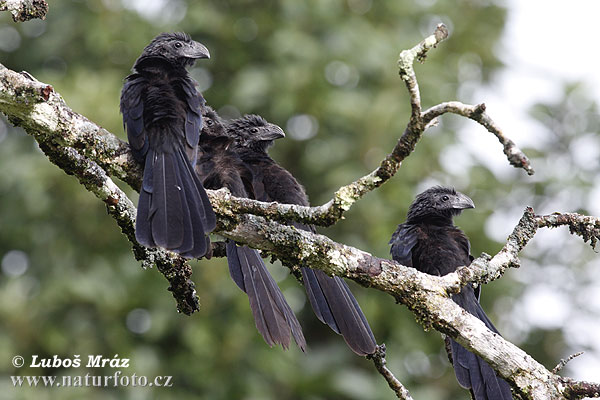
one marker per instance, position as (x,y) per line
(471,371)
(173,210)
(273,316)
(334,305)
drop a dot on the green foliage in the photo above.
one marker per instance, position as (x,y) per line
(330,64)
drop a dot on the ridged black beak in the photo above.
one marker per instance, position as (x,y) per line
(461,202)
(271,132)
(196,50)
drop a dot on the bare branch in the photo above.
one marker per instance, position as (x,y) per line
(85,150)
(380,364)
(485,269)
(588,228)
(580,389)
(407,72)
(564,362)
(24,10)
(426,295)
(346,196)
(477,113)
(42,112)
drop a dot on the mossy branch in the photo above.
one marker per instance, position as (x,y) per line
(92,154)
(24,10)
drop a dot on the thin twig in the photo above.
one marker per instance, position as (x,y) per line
(588,228)
(563,362)
(380,364)
(477,113)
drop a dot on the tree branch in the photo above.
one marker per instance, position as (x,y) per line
(588,228)
(563,363)
(83,149)
(343,199)
(380,364)
(477,113)
(427,296)
(24,10)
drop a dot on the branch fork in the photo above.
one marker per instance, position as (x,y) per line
(92,154)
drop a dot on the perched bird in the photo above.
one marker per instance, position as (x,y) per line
(431,243)
(330,297)
(161,114)
(219,166)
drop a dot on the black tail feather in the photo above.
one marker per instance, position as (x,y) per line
(334,305)
(173,211)
(472,372)
(274,318)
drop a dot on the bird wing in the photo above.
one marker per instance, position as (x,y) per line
(174,211)
(330,297)
(403,240)
(193,120)
(132,109)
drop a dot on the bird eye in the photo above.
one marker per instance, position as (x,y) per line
(209,122)
(445,198)
(254,130)
(178,45)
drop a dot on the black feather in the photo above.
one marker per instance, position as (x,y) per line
(218,166)
(160,107)
(330,297)
(274,318)
(429,242)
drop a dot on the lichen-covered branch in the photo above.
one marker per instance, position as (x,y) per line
(588,228)
(43,113)
(407,72)
(24,10)
(477,113)
(380,364)
(426,295)
(119,206)
(83,149)
(580,389)
(485,269)
(343,199)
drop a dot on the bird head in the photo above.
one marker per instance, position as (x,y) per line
(254,131)
(212,124)
(177,48)
(438,203)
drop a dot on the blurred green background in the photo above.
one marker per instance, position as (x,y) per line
(326,72)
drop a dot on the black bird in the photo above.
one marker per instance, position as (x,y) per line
(330,297)
(161,114)
(431,243)
(219,166)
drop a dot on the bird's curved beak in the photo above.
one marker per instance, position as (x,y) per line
(196,50)
(461,202)
(272,132)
